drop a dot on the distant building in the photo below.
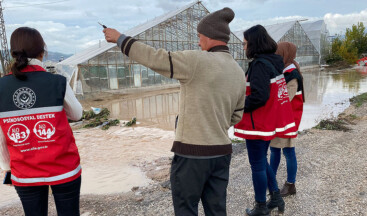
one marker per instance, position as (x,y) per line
(50,66)
(103,67)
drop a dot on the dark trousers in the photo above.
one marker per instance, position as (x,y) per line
(262,174)
(35,198)
(195,179)
(291,159)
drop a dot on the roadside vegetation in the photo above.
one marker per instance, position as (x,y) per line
(333,124)
(359,100)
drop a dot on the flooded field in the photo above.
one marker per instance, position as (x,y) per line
(112,159)
(328,93)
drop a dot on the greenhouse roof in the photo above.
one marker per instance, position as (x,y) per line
(103,46)
(313,26)
(314,31)
(276,31)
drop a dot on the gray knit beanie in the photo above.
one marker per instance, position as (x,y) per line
(216,25)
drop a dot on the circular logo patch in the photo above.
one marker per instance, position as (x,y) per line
(24,98)
(18,133)
(44,130)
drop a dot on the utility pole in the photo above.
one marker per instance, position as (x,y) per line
(4,54)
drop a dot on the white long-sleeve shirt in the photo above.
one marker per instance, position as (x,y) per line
(72,107)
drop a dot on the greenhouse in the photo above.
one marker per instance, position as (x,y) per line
(103,67)
(319,36)
(292,31)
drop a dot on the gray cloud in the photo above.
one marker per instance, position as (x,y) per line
(169,5)
(72,26)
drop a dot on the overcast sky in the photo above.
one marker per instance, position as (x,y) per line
(69,26)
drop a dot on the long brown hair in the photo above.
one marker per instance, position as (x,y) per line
(25,43)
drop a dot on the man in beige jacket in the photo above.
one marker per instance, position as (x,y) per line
(211,100)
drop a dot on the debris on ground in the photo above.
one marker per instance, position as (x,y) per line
(333,124)
(98,118)
(130,123)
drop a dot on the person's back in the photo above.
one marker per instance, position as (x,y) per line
(211,100)
(207,99)
(37,145)
(34,114)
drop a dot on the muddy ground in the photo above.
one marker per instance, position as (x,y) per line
(331,179)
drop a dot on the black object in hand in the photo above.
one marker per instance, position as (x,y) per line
(102,25)
(7,179)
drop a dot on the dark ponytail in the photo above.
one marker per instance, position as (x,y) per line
(21,61)
(25,43)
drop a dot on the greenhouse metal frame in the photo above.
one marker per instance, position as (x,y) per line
(103,67)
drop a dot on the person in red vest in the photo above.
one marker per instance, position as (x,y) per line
(36,142)
(294,81)
(265,115)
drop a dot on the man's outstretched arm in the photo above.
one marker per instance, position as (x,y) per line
(178,65)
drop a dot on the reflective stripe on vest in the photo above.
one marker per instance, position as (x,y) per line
(48,179)
(31,111)
(262,133)
(290,68)
(271,81)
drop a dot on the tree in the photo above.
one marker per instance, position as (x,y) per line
(350,47)
(357,38)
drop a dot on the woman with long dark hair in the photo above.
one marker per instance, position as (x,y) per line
(265,115)
(36,142)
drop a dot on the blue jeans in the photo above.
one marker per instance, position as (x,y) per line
(35,198)
(290,156)
(262,174)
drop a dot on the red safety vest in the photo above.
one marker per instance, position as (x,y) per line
(40,141)
(297,105)
(271,120)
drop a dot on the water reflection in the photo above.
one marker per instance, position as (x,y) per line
(159,110)
(327,94)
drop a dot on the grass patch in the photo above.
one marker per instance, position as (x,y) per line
(352,117)
(332,124)
(359,99)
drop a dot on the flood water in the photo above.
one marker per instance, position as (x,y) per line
(110,159)
(327,94)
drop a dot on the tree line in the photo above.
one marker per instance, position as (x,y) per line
(350,47)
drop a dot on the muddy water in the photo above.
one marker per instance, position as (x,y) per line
(327,94)
(111,160)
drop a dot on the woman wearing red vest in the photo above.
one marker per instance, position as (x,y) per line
(36,142)
(265,116)
(294,81)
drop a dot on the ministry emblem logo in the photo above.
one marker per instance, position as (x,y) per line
(24,98)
